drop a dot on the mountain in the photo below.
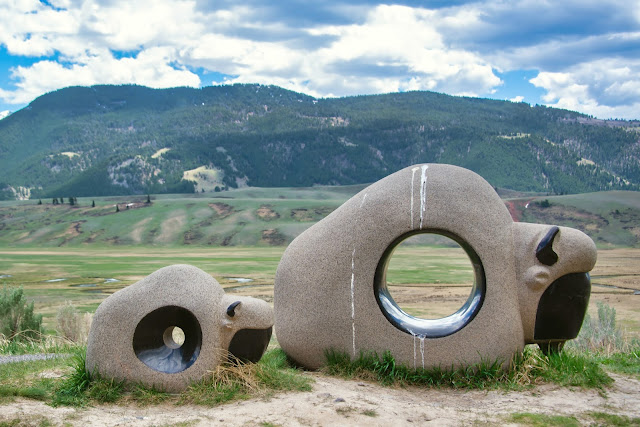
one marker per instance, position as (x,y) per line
(115,140)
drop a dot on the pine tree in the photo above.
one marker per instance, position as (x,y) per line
(117,208)
(93,203)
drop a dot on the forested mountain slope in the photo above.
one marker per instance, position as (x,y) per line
(109,140)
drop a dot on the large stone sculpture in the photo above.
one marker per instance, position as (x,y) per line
(133,334)
(531,282)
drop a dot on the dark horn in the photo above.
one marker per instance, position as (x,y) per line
(545,252)
(231,310)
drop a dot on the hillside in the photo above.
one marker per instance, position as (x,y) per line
(118,140)
(268,217)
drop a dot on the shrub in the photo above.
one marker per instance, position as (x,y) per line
(17,320)
(71,324)
(601,335)
(544,204)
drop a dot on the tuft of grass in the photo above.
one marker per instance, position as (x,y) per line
(27,421)
(602,418)
(345,410)
(144,396)
(543,420)
(229,381)
(41,343)
(30,392)
(623,363)
(80,387)
(531,367)
(276,373)
(385,370)
(571,369)
(71,391)
(370,413)
(105,390)
(22,379)
(237,381)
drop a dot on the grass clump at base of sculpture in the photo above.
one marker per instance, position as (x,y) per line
(229,381)
(530,368)
(601,343)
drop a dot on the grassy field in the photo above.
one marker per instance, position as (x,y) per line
(426,281)
(246,217)
(83,253)
(261,217)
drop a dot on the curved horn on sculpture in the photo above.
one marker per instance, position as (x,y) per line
(231,310)
(545,252)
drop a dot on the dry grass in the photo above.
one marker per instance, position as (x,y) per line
(73,325)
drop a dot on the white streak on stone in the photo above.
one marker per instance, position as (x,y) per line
(353,287)
(413,174)
(423,192)
(422,350)
(353,305)
(415,354)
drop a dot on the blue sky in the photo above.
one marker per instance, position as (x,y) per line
(580,55)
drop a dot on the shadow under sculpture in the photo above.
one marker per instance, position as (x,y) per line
(531,280)
(174,326)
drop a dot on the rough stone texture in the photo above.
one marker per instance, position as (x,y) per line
(110,346)
(324,294)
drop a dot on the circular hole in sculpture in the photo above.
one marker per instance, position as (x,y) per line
(173,337)
(430,284)
(168,339)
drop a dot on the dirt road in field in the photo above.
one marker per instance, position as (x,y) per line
(338,402)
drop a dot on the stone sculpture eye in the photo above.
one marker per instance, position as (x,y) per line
(231,310)
(545,253)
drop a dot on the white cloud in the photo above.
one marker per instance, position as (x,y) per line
(518,98)
(368,49)
(390,38)
(150,67)
(164,33)
(4,114)
(606,88)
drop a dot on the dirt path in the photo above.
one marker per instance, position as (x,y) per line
(338,402)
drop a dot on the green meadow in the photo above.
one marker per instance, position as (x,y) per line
(83,253)
(245,217)
(261,217)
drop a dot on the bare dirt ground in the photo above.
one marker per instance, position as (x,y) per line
(339,402)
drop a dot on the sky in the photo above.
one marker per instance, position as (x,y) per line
(580,55)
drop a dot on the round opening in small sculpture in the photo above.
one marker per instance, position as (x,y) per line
(173,337)
(424,268)
(168,339)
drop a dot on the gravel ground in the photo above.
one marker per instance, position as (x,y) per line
(30,357)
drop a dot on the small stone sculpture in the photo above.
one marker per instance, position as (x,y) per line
(531,282)
(173,326)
